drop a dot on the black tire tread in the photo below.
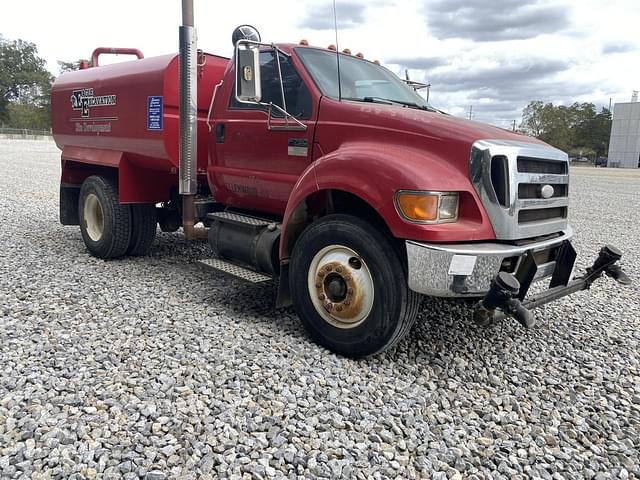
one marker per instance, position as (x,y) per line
(410,306)
(143,228)
(121,232)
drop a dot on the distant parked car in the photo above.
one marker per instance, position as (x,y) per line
(601,162)
(578,159)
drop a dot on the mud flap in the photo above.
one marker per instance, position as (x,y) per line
(69,195)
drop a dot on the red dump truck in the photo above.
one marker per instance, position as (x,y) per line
(322,171)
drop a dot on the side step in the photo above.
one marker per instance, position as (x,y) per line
(233,270)
(240,219)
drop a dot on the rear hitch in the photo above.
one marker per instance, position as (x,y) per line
(501,302)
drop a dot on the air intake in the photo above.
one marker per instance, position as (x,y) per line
(500,179)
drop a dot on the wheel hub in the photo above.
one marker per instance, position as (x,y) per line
(335,287)
(341,286)
(93,217)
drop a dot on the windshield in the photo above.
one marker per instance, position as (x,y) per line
(359,79)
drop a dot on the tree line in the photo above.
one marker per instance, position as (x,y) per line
(25,87)
(578,129)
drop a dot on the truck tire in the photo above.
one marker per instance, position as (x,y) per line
(349,286)
(143,228)
(105,224)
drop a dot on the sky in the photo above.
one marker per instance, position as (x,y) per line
(490,57)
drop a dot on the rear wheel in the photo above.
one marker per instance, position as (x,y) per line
(105,224)
(349,286)
(143,228)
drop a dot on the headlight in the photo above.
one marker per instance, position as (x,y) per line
(427,207)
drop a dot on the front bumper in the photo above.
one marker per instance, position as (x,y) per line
(466,270)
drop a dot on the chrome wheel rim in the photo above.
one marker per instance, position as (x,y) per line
(340,286)
(93,217)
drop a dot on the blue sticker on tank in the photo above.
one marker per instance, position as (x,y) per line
(154,112)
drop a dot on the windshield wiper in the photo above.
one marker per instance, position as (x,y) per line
(389,101)
(416,105)
(384,101)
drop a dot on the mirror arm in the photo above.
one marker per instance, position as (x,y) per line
(275,47)
(287,116)
(284,102)
(260,44)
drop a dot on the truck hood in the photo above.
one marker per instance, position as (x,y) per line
(428,135)
(432,125)
(374,151)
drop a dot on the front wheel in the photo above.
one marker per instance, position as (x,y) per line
(349,286)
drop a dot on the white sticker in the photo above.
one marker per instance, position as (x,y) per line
(462,265)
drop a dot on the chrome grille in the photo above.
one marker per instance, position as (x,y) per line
(538,214)
(537,165)
(532,190)
(508,177)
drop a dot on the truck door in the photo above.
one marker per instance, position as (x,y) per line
(253,167)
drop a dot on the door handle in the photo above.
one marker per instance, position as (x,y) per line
(219,132)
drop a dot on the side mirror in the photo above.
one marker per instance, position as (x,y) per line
(248,88)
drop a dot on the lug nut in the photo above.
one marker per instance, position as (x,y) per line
(321,296)
(328,306)
(328,268)
(350,291)
(347,279)
(318,285)
(321,274)
(339,309)
(339,269)
(347,303)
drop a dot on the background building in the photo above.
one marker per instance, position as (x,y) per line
(624,146)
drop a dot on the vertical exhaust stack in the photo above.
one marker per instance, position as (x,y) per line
(188,184)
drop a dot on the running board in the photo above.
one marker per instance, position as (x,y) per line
(245,221)
(233,270)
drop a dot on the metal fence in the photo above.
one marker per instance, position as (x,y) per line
(25,133)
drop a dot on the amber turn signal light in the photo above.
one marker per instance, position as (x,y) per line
(427,207)
(418,206)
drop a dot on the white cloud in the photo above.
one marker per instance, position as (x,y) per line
(498,60)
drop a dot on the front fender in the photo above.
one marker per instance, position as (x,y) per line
(375,171)
(304,187)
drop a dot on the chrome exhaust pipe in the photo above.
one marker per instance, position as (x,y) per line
(187,181)
(188,102)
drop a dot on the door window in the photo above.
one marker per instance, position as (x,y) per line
(296,93)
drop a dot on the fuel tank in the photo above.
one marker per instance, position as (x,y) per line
(129,112)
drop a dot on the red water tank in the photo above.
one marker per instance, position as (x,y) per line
(128,112)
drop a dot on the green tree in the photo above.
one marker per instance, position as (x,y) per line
(574,129)
(532,119)
(71,66)
(597,132)
(548,123)
(24,81)
(558,131)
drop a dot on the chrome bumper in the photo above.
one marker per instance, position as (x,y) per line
(466,270)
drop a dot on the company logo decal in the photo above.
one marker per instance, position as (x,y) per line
(84,100)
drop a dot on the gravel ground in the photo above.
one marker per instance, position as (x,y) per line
(151,368)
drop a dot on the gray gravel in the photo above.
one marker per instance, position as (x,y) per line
(151,368)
